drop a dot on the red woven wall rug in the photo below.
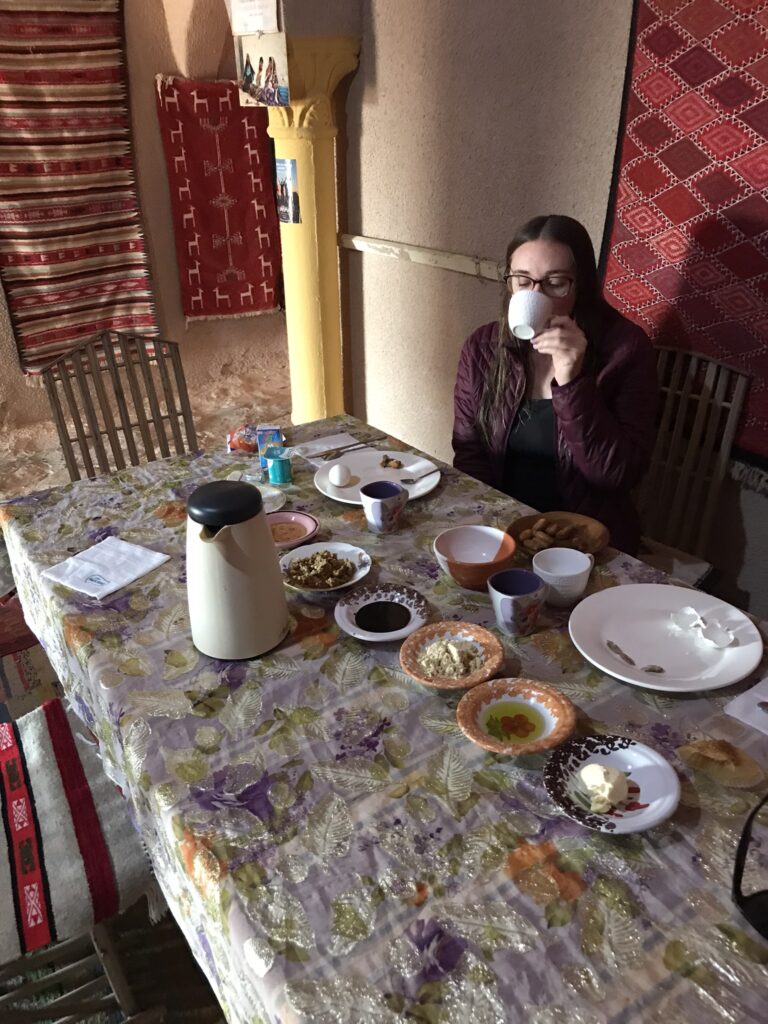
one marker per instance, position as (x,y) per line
(219,165)
(72,256)
(686,248)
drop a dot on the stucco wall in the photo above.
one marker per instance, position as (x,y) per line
(190,38)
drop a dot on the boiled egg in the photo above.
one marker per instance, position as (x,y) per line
(339,474)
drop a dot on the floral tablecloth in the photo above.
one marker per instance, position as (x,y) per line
(333,847)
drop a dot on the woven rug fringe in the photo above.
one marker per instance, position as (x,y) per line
(751,478)
(231,316)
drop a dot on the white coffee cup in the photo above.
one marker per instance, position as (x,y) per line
(528,313)
(566,573)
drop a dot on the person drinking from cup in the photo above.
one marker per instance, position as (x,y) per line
(555,404)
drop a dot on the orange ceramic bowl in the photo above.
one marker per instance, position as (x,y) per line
(516,716)
(471,554)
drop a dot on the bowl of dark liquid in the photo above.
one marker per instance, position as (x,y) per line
(382,613)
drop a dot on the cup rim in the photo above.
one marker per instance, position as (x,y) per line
(588,560)
(536,580)
(397,488)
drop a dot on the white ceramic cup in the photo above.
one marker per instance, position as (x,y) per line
(565,572)
(383,501)
(528,313)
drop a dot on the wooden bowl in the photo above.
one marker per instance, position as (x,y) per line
(592,534)
(516,716)
(493,653)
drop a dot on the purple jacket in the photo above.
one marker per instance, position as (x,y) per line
(606,426)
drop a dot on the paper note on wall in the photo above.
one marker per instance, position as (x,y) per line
(248,16)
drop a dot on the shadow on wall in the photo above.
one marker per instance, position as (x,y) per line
(727,544)
(477,106)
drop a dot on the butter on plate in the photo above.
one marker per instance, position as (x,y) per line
(605,786)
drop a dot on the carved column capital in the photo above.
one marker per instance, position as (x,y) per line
(316,65)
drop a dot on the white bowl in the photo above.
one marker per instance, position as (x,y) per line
(470,554)
(359,558)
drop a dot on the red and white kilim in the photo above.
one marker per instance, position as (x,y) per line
(72,254)
(688,257)
(69,856)
(219,165)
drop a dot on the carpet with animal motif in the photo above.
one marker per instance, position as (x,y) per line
(219,166)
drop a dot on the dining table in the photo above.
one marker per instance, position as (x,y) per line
(333,847)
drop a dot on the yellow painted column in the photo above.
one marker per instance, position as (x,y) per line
(305,132)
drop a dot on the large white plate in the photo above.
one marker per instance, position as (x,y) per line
(365,467)
(636,617)
(654,788)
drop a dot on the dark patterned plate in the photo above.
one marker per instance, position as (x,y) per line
(654,788)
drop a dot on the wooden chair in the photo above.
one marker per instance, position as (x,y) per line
(120,398)
(700,408)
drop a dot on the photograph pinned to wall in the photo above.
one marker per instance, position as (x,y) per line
(287,192)
(262,70)
(248,16)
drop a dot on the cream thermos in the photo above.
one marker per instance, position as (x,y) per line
(237,606)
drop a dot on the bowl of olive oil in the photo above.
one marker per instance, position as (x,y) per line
(516,716)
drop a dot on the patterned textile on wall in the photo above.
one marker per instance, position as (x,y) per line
(686,252)
(219,167)
(72,254)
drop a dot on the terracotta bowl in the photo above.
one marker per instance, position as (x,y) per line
(470,554)
(516,716)
(487,643)
(592,535)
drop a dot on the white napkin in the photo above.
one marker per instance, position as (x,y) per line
(106,567)
(746,707)
(311,450)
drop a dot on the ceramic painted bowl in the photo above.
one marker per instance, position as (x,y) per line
(360,559)
(289,529)
(591,534)
(381,613)
(471,554)
(484,642)
(516,716)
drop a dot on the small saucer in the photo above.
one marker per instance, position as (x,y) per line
(360,559)
(515,716)
(396,602)
(654,788)
(467,632)
(296,527)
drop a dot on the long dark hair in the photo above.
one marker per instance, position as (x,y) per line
(591,312)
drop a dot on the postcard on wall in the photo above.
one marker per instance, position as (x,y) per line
(248,16)
(262,70)
(287,192)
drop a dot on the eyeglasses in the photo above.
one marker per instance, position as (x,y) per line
(556,286)
(755,906)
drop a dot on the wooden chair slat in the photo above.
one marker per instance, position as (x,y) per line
(181,387)
(170,404)
(702,480)
(721,465)
(122,343)
(77,423)
(106,409)
(58,417)
(122,405)
(90,413)
(149,386)
(674,447)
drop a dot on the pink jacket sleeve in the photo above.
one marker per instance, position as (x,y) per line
(611,432)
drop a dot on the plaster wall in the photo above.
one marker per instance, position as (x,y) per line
(189,38)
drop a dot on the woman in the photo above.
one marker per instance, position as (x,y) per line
(567,420)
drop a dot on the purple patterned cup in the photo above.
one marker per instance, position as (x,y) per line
(517,596)
(383,501)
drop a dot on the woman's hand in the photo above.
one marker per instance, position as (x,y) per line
(564,342)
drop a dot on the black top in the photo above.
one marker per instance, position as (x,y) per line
(224,503)
(530,467)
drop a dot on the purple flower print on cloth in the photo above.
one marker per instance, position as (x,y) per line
(440,950)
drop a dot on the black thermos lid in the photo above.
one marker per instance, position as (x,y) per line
(224,503)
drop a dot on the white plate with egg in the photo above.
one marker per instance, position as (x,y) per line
(343,478)
(631,632)
(652,786)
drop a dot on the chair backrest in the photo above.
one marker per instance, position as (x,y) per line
(119,399)
(701,400)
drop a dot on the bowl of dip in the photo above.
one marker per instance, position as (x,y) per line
(516,716)
(289,529)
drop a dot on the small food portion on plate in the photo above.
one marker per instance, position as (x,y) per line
(515,716)
(535,533)
(290,529)
(324,567)
(578,779)
(451,655)
(606,787)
